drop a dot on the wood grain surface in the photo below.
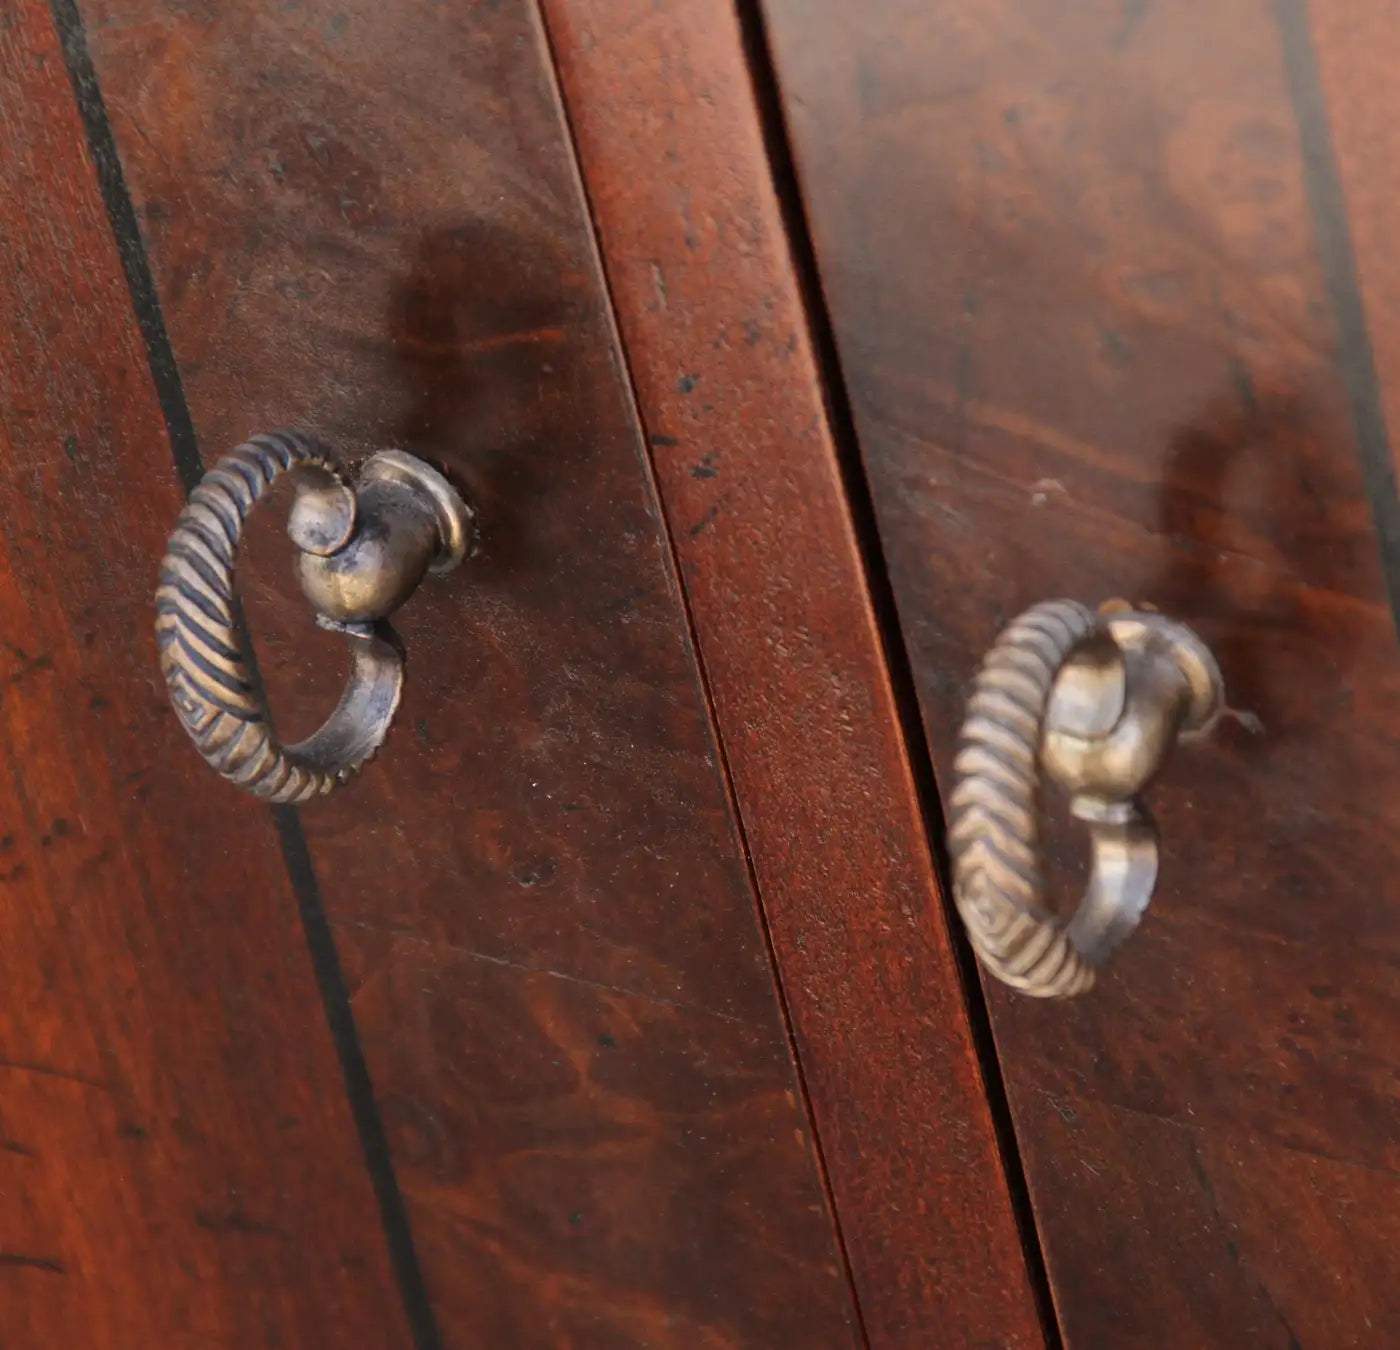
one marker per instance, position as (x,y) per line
(365,220)
(1349,83)
(672,150)
(178,1165)
(1092,316)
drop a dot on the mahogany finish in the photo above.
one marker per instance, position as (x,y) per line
(177,1158)
(372,228)
(1103,334)
(1097,343)
(671,146)
(1350,45)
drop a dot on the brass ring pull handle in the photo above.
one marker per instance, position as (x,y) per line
(363,550)
(1095,701)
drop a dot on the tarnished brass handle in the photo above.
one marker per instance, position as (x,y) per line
(1096,701)
(363,550)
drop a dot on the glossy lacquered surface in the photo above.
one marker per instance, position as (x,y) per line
(671,143)
(532,1086)
(179,1161)
(1093,297)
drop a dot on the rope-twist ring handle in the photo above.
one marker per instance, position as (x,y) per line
(1094,701)
(363,551)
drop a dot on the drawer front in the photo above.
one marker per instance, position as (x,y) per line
(1102,280)
(485,1048)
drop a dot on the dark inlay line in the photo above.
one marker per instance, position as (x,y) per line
(359,1087)
(320,941)
(122,214)
(862,507)
(1354,358)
